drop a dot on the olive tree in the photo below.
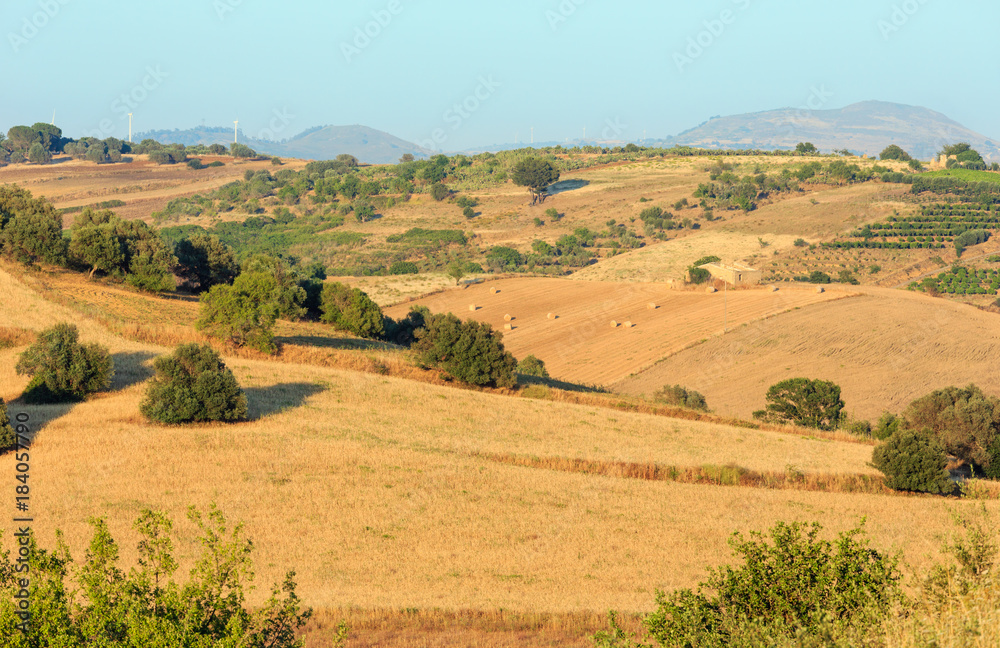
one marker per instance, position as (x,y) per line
(801,401)
(61,368)
(536,174)
(193,385)
(471,352)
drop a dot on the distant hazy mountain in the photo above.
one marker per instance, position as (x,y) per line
(319,143)
(866,127)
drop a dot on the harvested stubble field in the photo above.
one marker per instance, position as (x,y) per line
(884,348)
(581,346)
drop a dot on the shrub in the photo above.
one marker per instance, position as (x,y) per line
(795,586)
(204,261)
(819,277)
(193,385)
(62,369)
(403,268)
(532,366)
(965,420)
(244,313)
(471,352)
(7,437)
(351,309)
(801,401)
(129,250)
(682,397)
(404,331)
(913,460)
(888,424)
(30,228)
(439,192)
(799,242)
(100,602)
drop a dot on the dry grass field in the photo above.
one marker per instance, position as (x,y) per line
(884,349)
(581,346)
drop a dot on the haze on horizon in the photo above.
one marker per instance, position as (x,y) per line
(478,74)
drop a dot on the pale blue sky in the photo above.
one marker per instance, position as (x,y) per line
(614,68)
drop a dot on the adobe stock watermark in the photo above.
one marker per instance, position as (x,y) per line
(703,40)
(613,129)
(365,35)
(818,98)
(901,15)
(33,25)
(280,119)
(562,13)
(461,111)
(129,101)
(225,7)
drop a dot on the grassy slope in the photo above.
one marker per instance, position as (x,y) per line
(365,485)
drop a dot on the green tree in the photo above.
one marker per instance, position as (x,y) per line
(678,395)
(794,586)
(537,175)
(471,352)
(38,154)
(242,151)
(532,366)
(801,401)
(894,152)
(806,148)
(7,437)
(193,385)
(291,294)
(965,420)
(61,368)
(351,309)
(30,228)
(204,261)
(144,260)
(913,460)
(244,313)
(99,248)
(455,271)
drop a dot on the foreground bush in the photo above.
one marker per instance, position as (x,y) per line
(468,351)
(913,460)
(193,385)
(681,396)
(794,586)
(61,368)
(801,401)
(30,228)
(532,366)
(7,438)
(105,603)
(965,420)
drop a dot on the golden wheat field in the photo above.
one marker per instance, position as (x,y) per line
(568,324)
(377,490)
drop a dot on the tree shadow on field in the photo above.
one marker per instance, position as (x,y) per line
(526,380)
(38,416)
(265,401)
(131,369)
(566,185)
(350,344)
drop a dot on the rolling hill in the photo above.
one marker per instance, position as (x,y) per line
(318,143)
(864,128)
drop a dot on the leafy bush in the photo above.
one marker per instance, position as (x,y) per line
(800,242)
(62,369)
(501,257)
(403,268)
(204,261)
(532,366)
(965,420)
(801,401)
(7,437)
(682,397)
(471,352)
(403,332)
(244,313)
(103,603)
(128,250)
(819,277)
(888,424)
(30,228)
(913,460)
(193,385)
(351,309)
(894,152)
(439,192)
(794,586)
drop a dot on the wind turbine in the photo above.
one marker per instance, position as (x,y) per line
(53,118)
(236,125)
(130,128)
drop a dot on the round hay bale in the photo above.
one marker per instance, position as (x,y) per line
(651,306)
(774,289)
(614,324)
(508,327)
(508,317)
(711,289)
(820,289)
(472,307)
(494,290)
(552,316)
(628,324)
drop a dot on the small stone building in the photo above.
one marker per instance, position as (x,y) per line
(735,275)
